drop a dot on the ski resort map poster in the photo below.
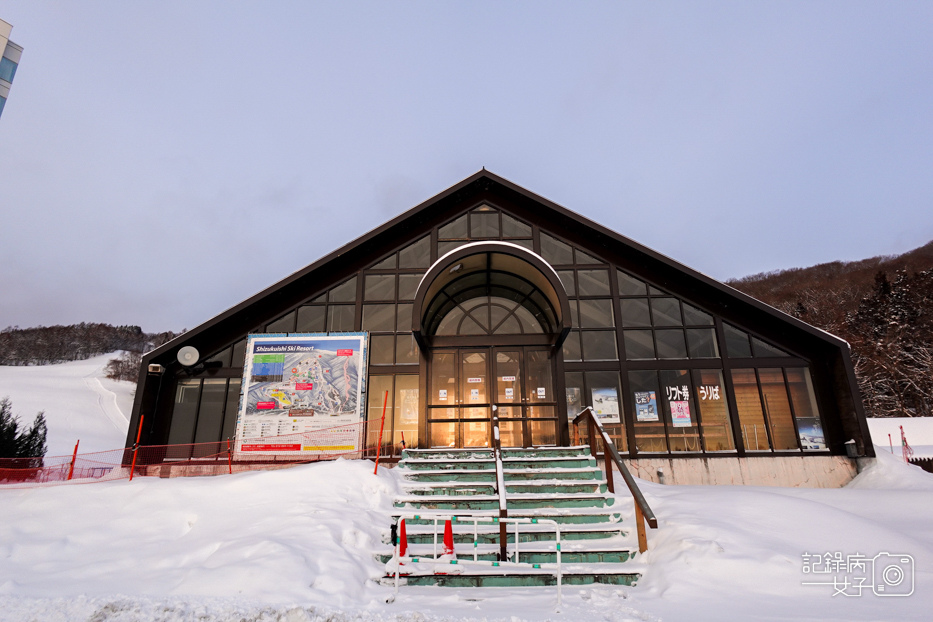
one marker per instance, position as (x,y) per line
(302,395)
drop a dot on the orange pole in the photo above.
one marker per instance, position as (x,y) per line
(74,456)
(139,432)
(229,457)
(381,428)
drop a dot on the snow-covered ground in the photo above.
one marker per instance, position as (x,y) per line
(918,430)
(297,545)
(79,403)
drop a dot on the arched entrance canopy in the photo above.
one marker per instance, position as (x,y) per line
(491,288)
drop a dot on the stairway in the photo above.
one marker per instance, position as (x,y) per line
(563,484)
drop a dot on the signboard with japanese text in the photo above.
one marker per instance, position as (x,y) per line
(296,385)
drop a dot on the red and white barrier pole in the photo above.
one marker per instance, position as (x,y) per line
(402,540)
(229,457)
(139,432)
(381,429)
(448,538)
(74,456)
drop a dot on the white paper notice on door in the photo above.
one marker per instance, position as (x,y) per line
(509,393)
(474,395)
(542,393)
(442,394)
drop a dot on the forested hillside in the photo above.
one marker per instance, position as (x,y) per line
(881,306)
(44,345)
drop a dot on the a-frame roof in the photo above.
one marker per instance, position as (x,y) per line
(243,316)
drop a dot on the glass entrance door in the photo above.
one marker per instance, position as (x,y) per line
(467,384)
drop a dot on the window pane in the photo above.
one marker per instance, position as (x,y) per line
(695,317)
(539,385)
(239,353)
(654,291)
(671,344)
(593,282)
(566,277)
(408,285)
(508,377)
(573,388)
(777,408)
(379,318)
(382,349)
(603,394)
(596,314)
(635,312)
(714,410)
(454,230)
(525,243)
(543,433)
(386,264)
(649,427)
(417,255)
(210,415)
(512,228)
(475,433)
(285,324)
(406,411)
(574,314)
(748,405)
(442,434)
(7,68)
(443,387)
(583,258)
(571,347)
(630,286)
(809,426)
(231,410)
(184,413)
(406,350)
(403,324)
(554,251)
(345,292)
(702,343)
(763,349)
(599,345)
(222,357)
(484,225)
(736,342)
(379,390)
(445,247)
(666,312)
(474,382)
(311,319)
(340,318)
(680,410)
(639,344)
(379,287)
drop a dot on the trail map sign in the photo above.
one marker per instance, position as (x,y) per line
(294,386)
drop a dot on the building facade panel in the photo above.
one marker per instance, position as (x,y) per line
(489,297)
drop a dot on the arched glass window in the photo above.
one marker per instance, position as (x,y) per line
(490,303)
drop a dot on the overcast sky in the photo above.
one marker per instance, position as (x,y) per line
(162,161)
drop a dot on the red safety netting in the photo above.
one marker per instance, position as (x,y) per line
(214,458)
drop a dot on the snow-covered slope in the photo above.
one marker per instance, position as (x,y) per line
(79,403)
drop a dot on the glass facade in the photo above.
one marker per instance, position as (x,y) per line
(664,375)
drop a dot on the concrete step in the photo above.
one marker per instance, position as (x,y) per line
(550,500)
(462,489)
(545,452)
(557,462)
(555,487)
(447,454)
(451,476)
(579,517)
(523,579)
(526,557)
(447,465)
(515,475)
(492,537)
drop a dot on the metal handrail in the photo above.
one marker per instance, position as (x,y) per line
(643,511)
(500,485)
(504,564)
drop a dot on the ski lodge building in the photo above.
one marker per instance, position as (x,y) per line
(488,298)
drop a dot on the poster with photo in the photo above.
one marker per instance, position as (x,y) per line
(646,406)
(680,414)
(606,404)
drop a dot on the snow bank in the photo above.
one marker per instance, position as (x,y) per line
(79,403)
